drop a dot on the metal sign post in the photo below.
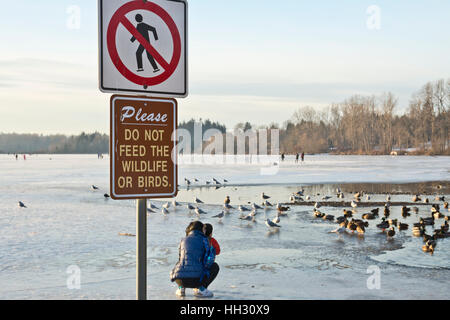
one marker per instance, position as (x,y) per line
(141,249)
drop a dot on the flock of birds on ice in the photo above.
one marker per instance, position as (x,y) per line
(348,221)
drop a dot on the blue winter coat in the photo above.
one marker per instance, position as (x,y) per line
(194,257)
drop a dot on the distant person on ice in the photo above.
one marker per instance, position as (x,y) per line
(195,268)
(144,29)
(303,156)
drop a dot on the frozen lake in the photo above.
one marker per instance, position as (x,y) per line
(68,224)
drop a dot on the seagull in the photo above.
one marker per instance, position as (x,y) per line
(21,204)
(188,183)
(216,181)
(248,218)
(220,215)
(317,205)
(94,187)
(271,224)
(190,207)
(106,196)
(308,198)
(388,198)
(227,206)
(166,205)
(152,206)
(243,209)
(150,210)
(225,181)
(164,211)
(276,219)
(255,206)
(199,211)
(196,180)
(176,204)
(267,204)
(197,200)
(326,198)
(264,197)
(354,204)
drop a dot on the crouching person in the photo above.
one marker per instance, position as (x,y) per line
(195,268)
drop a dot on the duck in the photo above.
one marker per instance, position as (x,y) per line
(387,211)
(391,232)
(429,246)
(416,198)
(415,210)
(427,221)
(360,229)
(445,226)
(393,222)
(282,209)
(405,211)
(318,214)
(341,219)
(417,232)
(383,225)
(227,200)
(440,198)
(361,223)
(446,205)
(347,214)
(328,217)
(352,226)
(402,226)
(369,216)
(435,208)
(354,204)
(438,215)
(375,211)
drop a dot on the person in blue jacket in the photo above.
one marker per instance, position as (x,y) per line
(196,268)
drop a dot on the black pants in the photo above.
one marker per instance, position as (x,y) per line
(195,282)
(139,53)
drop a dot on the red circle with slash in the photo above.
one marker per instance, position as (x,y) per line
(120,18)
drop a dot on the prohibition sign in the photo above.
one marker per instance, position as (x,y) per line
(120,18)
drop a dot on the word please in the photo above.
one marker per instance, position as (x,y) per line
(130,112)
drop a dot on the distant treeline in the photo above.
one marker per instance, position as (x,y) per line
(359,125)
(368,125)
(54,144)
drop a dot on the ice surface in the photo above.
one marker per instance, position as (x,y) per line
(66,223)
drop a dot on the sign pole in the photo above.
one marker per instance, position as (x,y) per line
(141,249)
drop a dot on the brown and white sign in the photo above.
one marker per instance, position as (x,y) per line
(142,148)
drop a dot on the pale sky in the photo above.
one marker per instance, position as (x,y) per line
(249,60)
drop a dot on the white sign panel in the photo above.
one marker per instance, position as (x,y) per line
(143,47)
